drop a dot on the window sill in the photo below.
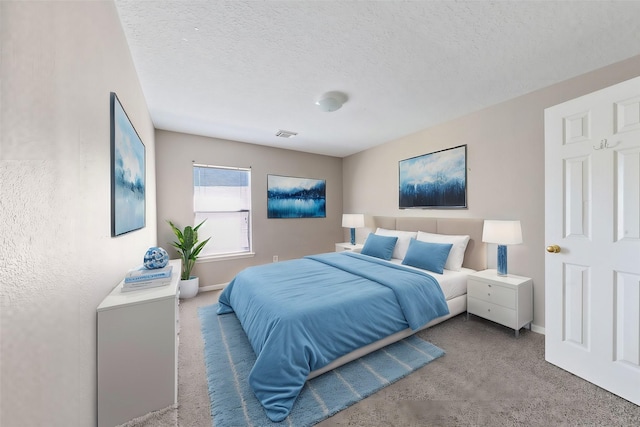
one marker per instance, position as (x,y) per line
(224,257)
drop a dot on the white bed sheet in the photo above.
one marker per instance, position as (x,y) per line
(453,283)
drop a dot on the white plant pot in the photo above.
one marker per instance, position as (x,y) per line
(189,288)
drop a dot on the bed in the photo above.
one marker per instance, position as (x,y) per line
(305,317)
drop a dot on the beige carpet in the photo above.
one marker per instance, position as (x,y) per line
(487,378)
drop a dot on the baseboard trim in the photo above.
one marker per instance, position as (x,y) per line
(218,287)
(537,329)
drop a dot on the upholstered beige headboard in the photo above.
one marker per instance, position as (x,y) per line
(475,257)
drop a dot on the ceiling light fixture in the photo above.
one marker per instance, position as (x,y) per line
(331,101)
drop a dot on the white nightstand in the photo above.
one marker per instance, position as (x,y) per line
(340,247)
(507,300)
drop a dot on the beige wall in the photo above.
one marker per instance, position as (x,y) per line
(60,60)
(505,159)
(287,238)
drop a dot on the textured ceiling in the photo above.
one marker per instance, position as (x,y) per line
(242,70)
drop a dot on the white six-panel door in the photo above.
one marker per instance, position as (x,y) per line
(592,212)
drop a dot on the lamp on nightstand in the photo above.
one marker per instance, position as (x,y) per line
(503,233)
(353,221)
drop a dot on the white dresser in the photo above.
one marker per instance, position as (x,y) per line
(507,300)
(137,351)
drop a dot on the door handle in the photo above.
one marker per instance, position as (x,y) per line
(553,249)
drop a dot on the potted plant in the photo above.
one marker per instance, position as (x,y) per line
(189,249)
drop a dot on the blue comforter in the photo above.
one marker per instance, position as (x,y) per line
(300,315)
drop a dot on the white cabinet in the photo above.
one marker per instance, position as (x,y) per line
(507,300)
(137,351)
(341,247)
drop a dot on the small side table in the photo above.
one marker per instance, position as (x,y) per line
(346,246)
(507,300)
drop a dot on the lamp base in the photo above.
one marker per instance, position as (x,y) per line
(502,260)
(353,236)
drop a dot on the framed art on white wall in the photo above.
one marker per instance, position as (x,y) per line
(127,173)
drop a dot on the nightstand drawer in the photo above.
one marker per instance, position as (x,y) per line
(492,293)
(493,312)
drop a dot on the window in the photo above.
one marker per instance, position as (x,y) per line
(222,196)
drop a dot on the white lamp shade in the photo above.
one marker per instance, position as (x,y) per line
(352,220)
(502,232)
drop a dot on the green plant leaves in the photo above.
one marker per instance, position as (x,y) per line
(187,239)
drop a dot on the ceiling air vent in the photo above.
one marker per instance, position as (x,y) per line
(286,133)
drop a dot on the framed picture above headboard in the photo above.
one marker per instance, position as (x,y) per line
(436,180)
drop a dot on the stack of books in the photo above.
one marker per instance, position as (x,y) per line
(144,278)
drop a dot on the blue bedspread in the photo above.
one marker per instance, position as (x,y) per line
(302,314)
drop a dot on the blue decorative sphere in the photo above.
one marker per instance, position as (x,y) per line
(156,257)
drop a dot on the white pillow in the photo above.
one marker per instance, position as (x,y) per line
(456,255)
(402,245)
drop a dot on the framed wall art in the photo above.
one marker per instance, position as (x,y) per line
(436,180)
(291,197)
(127,173)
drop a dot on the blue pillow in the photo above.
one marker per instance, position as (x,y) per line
(379,246)
(427,255)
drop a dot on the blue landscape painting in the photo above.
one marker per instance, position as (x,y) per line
(435,180)
(289,197)
(127,174)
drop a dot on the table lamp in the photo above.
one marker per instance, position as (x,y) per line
(503,233)
(353,221)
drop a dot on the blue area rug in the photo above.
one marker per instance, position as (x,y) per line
(229,359)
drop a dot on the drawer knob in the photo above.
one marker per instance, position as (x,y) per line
(489,293)
(488,309)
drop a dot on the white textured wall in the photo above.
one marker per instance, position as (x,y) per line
(505,177)
(60,60)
